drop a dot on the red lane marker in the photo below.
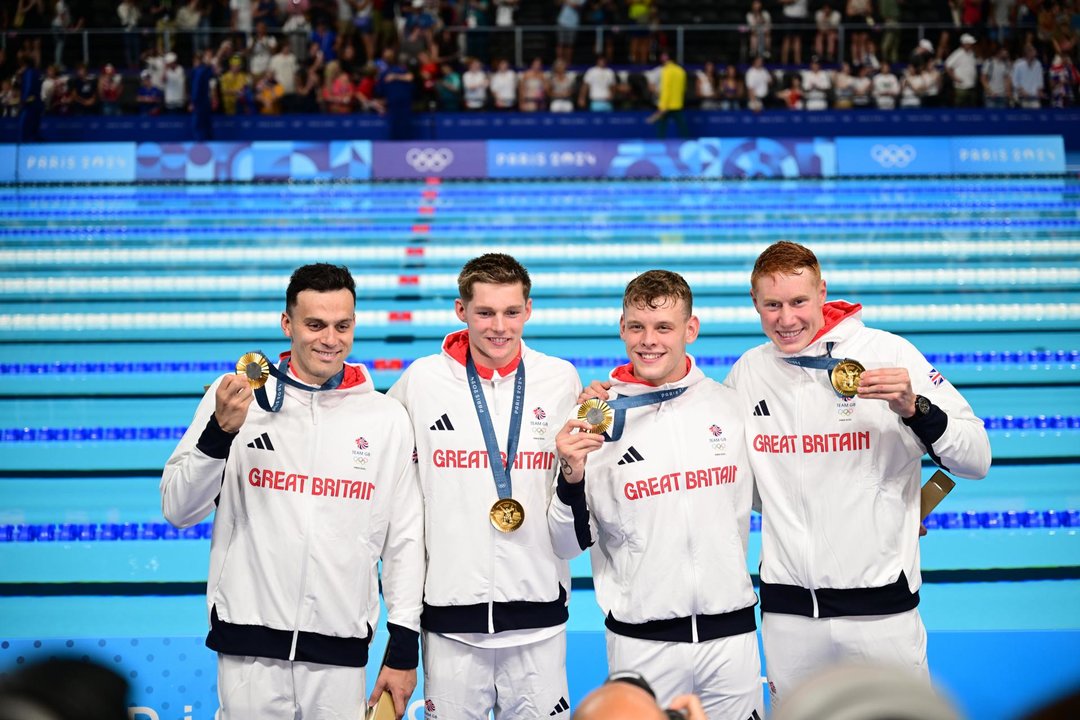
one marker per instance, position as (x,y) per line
(427,209)
(401,316)
(408,280)
(421,229)
(414,252)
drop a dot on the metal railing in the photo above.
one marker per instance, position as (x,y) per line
(687,44)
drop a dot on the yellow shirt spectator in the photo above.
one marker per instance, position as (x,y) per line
(672,87)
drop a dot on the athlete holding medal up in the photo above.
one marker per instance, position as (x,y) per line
(485,412)
(655,480)
(836,451)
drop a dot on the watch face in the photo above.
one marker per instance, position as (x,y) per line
(922,405)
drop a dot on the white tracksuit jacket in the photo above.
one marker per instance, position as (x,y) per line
(307,502)
(839,478)
(666,510)
(481,580)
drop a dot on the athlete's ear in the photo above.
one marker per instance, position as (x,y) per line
(459,310)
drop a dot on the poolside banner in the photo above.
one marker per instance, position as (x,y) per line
(751,157)
(898,156)
(196,162)
(9,159)
(592,158)
(77,162)
(416,160)
(1008,155)
(294,160)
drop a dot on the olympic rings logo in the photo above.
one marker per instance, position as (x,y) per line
(889,156)
(429,159)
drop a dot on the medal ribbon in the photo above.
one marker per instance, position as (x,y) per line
(281,373)
(622,404)
(819,362)
(499,470)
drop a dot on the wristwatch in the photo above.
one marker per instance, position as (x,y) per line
(922,407)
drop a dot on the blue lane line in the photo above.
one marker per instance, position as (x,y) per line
(174,432)
(449,228)
(990,357)
(108,532)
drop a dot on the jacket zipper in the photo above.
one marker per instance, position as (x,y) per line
(307,532)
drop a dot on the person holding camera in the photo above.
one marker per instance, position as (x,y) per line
(656,481)
(625,695)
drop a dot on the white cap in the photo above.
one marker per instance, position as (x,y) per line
(966,39)
(926,45)
(170,57)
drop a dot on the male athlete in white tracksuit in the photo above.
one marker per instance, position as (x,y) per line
(307,500)
(839,477)
(495,599)
(664,504)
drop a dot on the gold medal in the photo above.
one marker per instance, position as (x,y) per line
(507,515)
(255,367)
(598,414)
(845,377)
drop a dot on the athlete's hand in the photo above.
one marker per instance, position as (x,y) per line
(597,389)
(690,706)
(232,399)
(893,385)
(574,443)
(399,683)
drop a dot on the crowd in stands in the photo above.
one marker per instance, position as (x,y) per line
(344,56)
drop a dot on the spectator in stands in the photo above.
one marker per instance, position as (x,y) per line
(962,68)
(323,42)
(30,15)
(236,88)
(129,14)
(428,70)
(796,13)
(477,19)
(266,11)
(932,80)
(297,31)
(886,88)
(309,90)
(912,87)
(175,85)
(758,82)
(160,17)
(188,17)
(862,88)
(843,92)
(603,14)
(598,87)
(1065,38)
(365,90)
(260,49)
(504,27)
(84,86)
(532,88)
(1002,19)
(707,86)
(268,94)
(61,25)
(504,86)
(561,88)
(1027,79)
(363,21)
(859,15)
(476,83)
(568,20)
(285,68)
(449,88)
(29,81)
(828,26)
(203,79)
(792,95)
(110,86)
(731,90)
(1064,80)
(9,98)
(337,92)
(447,47)
(759,25)
(149,96)
(396,88)
(669,106)
(242,15)
(996,78)
(639,13)
(890,37)
(416,42)
(817,86)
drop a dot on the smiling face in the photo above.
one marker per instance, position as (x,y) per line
(495,317)
(656,337)
(790,306)
(321,326)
